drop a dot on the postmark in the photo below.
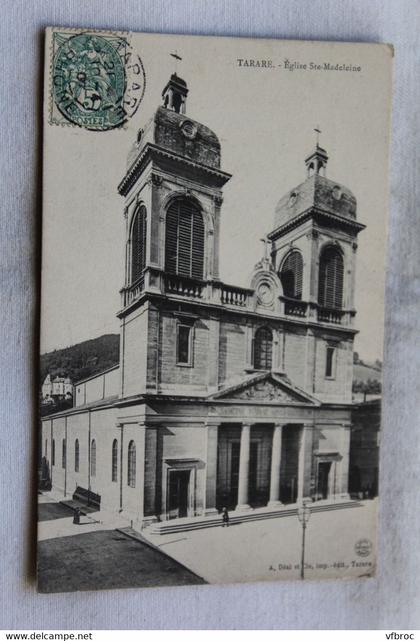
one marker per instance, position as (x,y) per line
(97,80)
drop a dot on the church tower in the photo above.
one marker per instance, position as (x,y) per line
(173,197)
(314,246)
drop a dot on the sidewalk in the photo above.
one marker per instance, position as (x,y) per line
(92,521)
(271,549)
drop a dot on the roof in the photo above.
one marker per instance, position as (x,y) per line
(316,191)
(101,373)
(175,79)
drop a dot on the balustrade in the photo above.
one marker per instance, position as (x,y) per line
(326,315)
(237,296)
(295,308)
(133,291)
(183,286)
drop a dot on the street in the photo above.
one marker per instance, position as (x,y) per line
(95,555)
(91,556)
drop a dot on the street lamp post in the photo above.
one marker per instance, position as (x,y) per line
(303,514)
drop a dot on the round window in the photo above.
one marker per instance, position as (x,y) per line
(189,129)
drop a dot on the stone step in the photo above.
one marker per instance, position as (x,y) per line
(199,523)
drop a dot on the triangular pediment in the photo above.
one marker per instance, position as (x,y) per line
(266,388)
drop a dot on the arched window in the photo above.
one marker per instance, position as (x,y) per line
(63,454)
(263,348)
(184,243)
(131,467)
(291,275)
(114,470)
(330,285)
(93,458)
(76,455)
(138,243)
(53,452)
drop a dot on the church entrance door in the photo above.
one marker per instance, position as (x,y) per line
(323,479)
(178,493)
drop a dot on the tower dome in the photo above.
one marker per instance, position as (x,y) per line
(317,191)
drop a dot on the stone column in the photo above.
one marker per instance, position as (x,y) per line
(213,354)
(305,462)
(119,426)
(140,464)
(275,467)
(211,469)
(342,487)
(244,468)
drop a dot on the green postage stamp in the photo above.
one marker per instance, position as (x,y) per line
(97,82)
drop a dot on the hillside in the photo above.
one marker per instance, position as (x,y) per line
(366,372)
(83,359)
(93,356)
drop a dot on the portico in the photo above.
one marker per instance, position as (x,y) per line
(253,465)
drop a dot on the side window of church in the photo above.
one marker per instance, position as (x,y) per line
(330,362)
(76,455)
(138,244)
(263,348)
(184,240)
(131,465)
(114,468)
(184,344)
(291,275)
(93,458)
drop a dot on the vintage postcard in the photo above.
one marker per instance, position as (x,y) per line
(214,227)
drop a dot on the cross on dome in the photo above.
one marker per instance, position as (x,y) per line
(316,162)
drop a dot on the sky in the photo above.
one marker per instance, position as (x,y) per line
(264,119)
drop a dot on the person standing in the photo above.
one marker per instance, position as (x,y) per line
(225,517)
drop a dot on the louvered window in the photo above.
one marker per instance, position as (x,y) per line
(138,243)
(114,471)
(331,270)
(184,246)
(291,275)
(263,348)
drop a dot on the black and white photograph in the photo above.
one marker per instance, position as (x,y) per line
(212,309)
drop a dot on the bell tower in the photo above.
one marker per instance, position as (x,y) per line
(173,196)
(175,94)
(314,245)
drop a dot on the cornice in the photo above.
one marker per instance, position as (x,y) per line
(315,212)
(153,150)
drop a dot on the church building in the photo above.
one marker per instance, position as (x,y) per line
(224,396)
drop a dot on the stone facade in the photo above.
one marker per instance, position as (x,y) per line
(224,396)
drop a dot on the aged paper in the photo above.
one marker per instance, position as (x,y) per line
(214,224)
